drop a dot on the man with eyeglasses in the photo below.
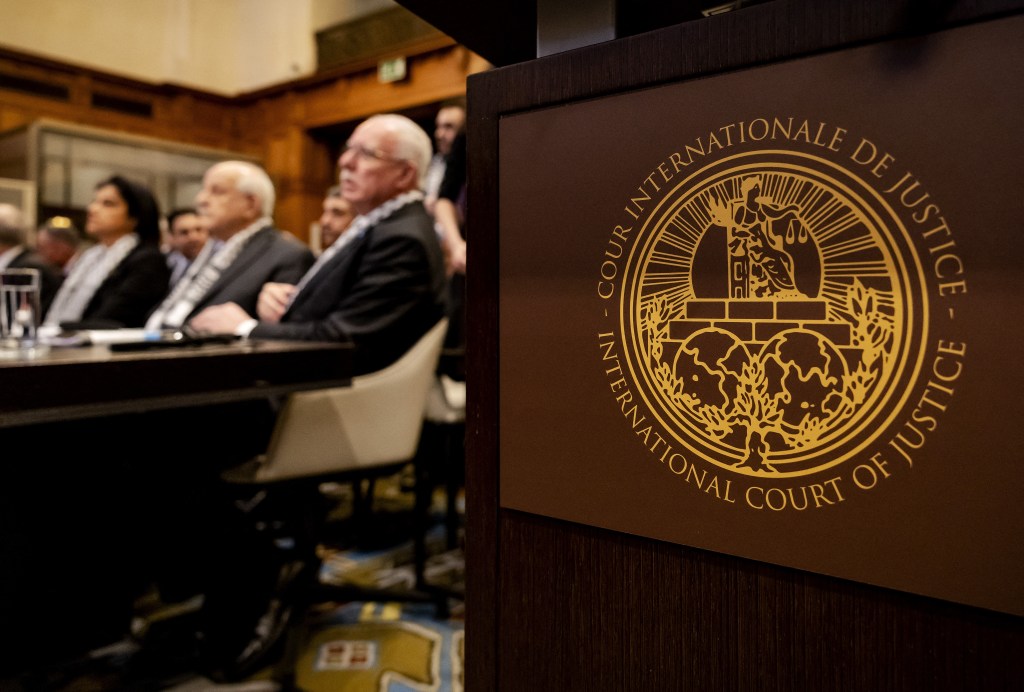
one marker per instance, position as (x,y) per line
(381,286)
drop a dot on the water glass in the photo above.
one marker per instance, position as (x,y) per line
(19,309)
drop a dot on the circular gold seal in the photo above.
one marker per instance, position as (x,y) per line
(774,313)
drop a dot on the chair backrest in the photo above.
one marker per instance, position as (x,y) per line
(374,422)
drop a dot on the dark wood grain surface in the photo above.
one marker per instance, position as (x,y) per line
(556,606)
(93,381)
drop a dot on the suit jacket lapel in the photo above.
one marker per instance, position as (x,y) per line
(337,266)
(252,250)
(17,260)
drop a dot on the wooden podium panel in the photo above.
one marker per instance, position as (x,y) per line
(587,584)
(780,336)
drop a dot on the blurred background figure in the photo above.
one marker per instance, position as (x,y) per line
(449,122)
(119,280)
(14,254)
(337,217)
(450,207)
(187,235)
(59,242)
(450,224)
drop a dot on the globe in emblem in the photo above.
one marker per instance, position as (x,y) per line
(709,365)
(808,373)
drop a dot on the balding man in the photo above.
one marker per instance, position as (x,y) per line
(235,204)
(59,243)
(14,254)
(381,285)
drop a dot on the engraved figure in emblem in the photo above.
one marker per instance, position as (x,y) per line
(758,234)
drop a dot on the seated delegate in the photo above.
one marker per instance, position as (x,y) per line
(235,204)
(380,287)
(119,280)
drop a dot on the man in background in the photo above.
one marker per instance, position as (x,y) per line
(14,254)
(446,201)
(449,122)
(337,217)
(59,243)
(187,235)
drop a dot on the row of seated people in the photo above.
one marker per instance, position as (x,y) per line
(119,281)
(59,244)
(380,286)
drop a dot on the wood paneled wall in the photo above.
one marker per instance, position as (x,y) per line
(273,125)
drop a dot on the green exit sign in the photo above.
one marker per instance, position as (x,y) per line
(391,70)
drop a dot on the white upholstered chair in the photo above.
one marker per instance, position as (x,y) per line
(348,434)
(374,422)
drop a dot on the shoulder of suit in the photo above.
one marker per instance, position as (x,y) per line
(287,242)
(411,219)
(148,251)
(31,259)
(273,235)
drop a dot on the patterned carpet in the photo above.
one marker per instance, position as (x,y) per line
(386,647)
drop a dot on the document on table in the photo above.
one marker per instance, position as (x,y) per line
(54,336)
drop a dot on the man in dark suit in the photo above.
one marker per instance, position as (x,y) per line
(381,286)
(14,254)
(235,203)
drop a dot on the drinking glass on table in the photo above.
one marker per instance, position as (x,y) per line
(19,309)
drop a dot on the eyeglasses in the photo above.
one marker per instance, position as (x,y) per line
(364,152)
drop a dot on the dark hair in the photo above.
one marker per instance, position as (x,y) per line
(141,205)
(181,211)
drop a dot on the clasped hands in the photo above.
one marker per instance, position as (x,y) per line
(226,317)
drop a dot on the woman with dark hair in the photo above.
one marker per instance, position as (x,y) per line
(118,281)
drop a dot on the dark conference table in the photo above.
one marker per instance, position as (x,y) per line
(96,381)
(91,441)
